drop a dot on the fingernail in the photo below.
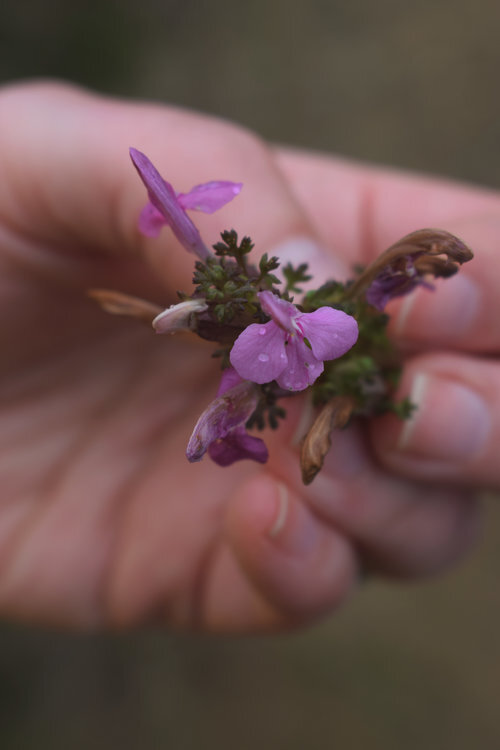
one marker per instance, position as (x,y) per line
(447,312)
(281,510)
(292,528)
(451,421)
(322,264)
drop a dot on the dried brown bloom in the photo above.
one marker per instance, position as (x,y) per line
(404,265)
(317,442)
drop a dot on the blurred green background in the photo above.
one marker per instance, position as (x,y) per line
(414,85)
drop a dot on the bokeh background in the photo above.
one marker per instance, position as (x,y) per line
(414,85)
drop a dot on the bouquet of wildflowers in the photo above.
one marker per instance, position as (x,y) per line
(272,340)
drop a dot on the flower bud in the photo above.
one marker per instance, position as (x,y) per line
(226,416)
(180,317)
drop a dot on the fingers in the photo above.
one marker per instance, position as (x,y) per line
(67,180)
(295,553)
(284,566)
(454,433)
(461,312)
(359,211)
(68,187)
(287,554)
(268,563)
(399,527)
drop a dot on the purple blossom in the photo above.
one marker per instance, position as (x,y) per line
(292,346)
(166,207)
(221,427)
(395,280)
(408,264)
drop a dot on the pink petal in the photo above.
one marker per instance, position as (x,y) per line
(162,196)
(303,368)
(151,221)
(210,196)
(281,311)
(236,446)
(229,379)
(258,354)
(330,332)
(222,416)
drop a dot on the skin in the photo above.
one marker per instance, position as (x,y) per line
(102,520)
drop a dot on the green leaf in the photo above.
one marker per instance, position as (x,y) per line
(295,275)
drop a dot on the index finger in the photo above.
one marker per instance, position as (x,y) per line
(69,194)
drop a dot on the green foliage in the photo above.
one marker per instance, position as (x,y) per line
(266,279)
(329,294)
(295,276)
(370,371)
(351,375)
(230,284)
(224,279)
(229,248)
(403,409)
(267,411)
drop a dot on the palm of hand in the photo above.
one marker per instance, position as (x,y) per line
(102,516)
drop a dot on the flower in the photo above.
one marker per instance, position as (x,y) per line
(221,427)
(408,264)
(179,317)
(168,207)
(292,346)
(395,280)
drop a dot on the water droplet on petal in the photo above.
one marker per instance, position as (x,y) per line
(263,357)
(282,355)
(262,331)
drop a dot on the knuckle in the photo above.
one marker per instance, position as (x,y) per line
(240,145)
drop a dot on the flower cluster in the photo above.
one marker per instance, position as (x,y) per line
(293,345)
(332,342)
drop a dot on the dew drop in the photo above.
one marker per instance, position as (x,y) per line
(282,355)
(262,331)
(263,357)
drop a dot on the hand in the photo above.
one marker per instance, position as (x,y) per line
(102,520)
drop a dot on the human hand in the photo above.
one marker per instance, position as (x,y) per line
(102,520)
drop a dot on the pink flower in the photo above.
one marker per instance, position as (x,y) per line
(168,207)
(292,346)
(221,427)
